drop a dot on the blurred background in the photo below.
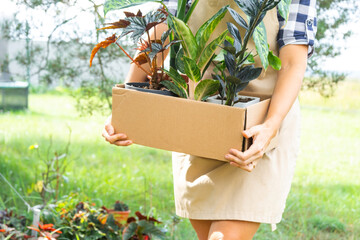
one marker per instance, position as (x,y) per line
(52,104)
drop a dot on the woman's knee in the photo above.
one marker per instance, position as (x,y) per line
(232,230)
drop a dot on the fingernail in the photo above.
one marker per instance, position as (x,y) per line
(129,142)
(227,156)
(111,131)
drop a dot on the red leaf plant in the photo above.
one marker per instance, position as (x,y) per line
(150,50)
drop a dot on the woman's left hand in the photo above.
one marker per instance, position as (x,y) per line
(262,135)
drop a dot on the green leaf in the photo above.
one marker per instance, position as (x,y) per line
(284,9)
(274,61)
(238,19)
(220,56)
(234,31)
(249,60)
(249,73)
(261,44)
(205,89)
(129,231)
(174,88)
(111,5)
(183,32)
(179,61)
(190,11)
(191,69)
(209,50)
(249,7)
(176,77)
(165,35)
(271,4)
(150,228)
(203,34)
(181,9)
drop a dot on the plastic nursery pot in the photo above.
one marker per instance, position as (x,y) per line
(120,216)
(144,87)
(243,101)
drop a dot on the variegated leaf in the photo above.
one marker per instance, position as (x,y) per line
(284,9)
(203,34)
(174,88)
(261,44)
(183,33)
(205,89)
(209,50)
(191,69)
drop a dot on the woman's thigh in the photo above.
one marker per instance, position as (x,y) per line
(232,230)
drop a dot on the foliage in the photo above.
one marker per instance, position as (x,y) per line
(139,25)
(236,69)
(194,57)
(82,220)
(12,226)
(333,18)
(55,166)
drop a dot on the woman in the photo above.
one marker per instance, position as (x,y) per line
(230,200)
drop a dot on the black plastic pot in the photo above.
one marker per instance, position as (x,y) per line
(139,86)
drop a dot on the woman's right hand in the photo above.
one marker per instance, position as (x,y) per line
(118,139)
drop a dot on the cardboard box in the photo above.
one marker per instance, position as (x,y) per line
(181,125)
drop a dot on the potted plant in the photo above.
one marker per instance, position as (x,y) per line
(235,67)
(120,212)
(139,26)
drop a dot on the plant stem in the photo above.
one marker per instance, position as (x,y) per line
(251,30)
(132,59)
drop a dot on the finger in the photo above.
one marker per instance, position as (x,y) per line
(235,159)
(123,143)
(256,149)
(109,129)
(246,168)
(116,137)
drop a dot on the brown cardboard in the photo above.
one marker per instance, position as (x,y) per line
(182,125)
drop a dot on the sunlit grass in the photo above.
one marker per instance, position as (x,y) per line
(323,202)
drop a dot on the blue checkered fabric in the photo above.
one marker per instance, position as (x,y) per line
(299,29)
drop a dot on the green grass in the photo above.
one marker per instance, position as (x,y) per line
(323,202)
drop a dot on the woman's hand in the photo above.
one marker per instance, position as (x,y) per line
(262,135)
(119,139)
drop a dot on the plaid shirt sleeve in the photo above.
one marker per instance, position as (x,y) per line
(301,25)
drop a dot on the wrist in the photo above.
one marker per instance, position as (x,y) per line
(273,123)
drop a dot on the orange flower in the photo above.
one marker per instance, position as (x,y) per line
(45,227)
(2,230)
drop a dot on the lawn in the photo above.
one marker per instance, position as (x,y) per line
(324,202)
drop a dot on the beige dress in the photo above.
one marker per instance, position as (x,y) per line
(211,189)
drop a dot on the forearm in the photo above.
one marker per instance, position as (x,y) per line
(294,62)
(135,74)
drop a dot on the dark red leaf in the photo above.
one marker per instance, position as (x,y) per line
(129,14)
(119,24)
(143,217)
